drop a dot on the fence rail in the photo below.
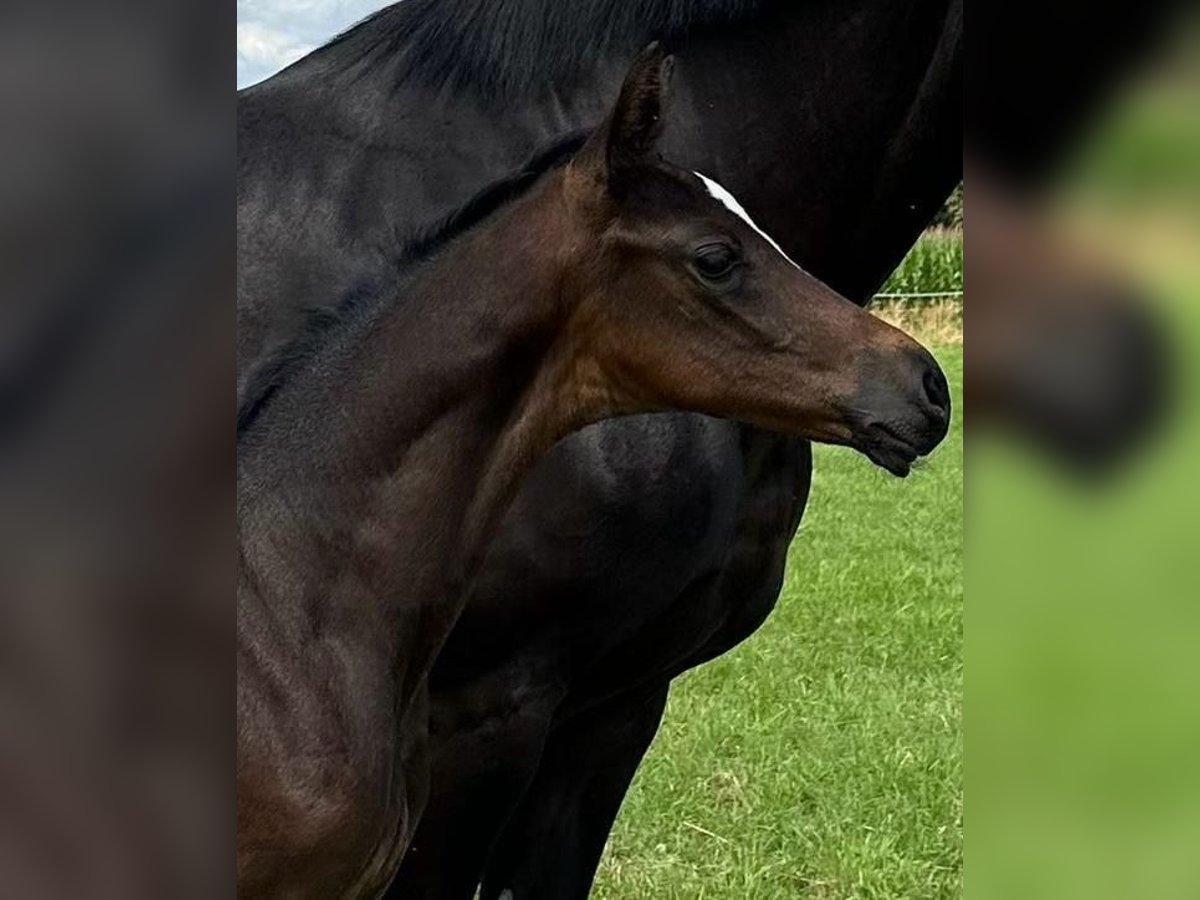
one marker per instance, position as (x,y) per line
(901,295)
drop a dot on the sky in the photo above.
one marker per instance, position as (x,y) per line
(272,34)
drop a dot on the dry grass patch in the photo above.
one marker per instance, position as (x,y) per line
(937,322)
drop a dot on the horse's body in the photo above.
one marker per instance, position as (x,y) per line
(639,547)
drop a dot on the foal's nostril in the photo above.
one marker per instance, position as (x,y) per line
(936,389)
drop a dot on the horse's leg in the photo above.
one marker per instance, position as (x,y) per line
(552,846)
(481,769)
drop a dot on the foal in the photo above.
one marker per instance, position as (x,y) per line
(370,481)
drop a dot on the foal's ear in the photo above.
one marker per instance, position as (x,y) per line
(636,123)
(630,134)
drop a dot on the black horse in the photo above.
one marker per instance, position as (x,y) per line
(369,486)
(638,548)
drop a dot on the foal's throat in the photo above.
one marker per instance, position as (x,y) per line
(554,402)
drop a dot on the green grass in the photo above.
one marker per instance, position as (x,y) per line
(823,758)
(935,263)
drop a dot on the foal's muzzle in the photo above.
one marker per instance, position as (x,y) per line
(902,410)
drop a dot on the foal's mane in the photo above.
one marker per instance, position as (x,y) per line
(507,47)
(322,323)
(494,196)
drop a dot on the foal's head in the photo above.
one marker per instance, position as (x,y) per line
(680,301)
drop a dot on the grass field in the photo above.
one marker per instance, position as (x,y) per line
(933,265)
(822,759)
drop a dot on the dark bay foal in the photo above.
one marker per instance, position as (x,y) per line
(370,481)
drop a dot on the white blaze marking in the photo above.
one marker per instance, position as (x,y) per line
(730,202)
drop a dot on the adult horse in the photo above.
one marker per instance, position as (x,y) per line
(838,125)
(369,483)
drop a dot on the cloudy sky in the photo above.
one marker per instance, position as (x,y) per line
(273,33)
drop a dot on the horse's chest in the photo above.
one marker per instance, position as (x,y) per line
(774,493)
(716,591)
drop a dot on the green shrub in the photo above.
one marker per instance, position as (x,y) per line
(935,264)
(951,213)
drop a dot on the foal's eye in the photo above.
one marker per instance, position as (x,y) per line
(715,262)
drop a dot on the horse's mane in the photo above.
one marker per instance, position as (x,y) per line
(505,47)
(321,323)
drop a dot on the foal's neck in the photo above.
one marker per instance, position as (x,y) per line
(376,477)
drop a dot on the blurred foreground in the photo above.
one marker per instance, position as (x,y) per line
(116,456)
(1083,728)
